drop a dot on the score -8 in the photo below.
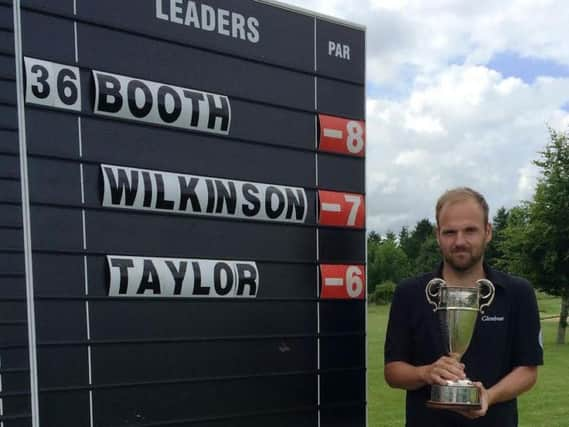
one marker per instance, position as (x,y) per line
(340,135)
(355,137)
(52,84)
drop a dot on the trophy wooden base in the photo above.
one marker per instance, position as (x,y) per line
(456,395)
(464,406)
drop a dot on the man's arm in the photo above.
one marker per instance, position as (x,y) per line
(518,381)
(403,375)
(527,352)
(408,377)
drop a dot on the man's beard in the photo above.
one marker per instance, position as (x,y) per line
(466,264)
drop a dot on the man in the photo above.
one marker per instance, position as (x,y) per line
(505,349)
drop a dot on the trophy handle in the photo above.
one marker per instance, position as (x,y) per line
(432,290)
(489,295)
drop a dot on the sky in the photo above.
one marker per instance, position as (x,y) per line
(459,93)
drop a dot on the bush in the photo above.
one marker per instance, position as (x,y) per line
(383,293)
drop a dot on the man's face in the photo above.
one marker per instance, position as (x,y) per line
(462,234)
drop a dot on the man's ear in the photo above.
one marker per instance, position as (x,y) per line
(436,231)
(488,232)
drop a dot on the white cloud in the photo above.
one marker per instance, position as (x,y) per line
(527,177)
(494,128)
(454,121)
(423,123)
(428,35)
(411,158)
(389,4)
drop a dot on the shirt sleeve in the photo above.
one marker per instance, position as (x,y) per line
(398,337)
(527,346)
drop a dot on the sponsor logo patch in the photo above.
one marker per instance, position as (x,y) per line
(492,318)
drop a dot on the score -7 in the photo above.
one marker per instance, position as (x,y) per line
(52,84)
(341,209)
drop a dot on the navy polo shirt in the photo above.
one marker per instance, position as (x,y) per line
(505,336)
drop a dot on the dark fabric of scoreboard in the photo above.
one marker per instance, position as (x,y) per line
(278,359)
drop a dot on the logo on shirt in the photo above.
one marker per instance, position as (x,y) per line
(492,318)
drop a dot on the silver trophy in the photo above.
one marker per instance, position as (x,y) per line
(457,309)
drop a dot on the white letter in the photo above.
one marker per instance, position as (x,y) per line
(331,47)
(176,11)
(238,26)
(208,18)
(222,21)
(192,17)
(253,25)
(159,10)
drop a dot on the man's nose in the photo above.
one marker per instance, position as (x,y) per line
(460,239)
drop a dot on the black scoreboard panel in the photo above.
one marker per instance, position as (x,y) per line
(190,219)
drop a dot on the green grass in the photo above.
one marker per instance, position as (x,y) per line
(544,406)
(549,306)
(386,406)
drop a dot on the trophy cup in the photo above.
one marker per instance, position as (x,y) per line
(457,309)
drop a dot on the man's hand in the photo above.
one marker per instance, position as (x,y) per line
(484,403)
(443,370)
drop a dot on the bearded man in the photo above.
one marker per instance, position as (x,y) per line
(505,349)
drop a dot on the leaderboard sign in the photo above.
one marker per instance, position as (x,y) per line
(182,215)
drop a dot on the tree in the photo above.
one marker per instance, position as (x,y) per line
(550,223)
(391,261)
(386,261)
(373,237)
(404,238)
(537,236)
(514,243)
(429,256)
(412,243)
(390,235)
(373,273)
(499,223)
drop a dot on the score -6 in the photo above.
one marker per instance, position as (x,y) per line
(52,84)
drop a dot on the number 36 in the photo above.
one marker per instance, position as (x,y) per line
(52,84)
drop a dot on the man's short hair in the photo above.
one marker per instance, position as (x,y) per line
(459,194)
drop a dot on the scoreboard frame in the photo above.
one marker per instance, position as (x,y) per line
(182,215)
